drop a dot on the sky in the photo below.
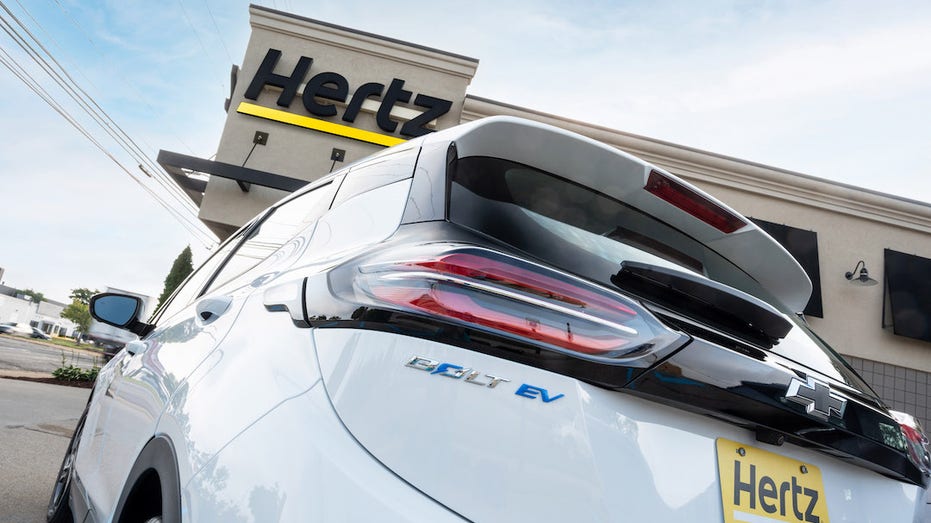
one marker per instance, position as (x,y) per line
(839,90)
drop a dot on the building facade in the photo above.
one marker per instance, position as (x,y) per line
(311,96)
(46,315)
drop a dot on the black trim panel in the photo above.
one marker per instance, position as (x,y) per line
(716,381)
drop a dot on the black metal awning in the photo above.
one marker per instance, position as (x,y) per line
(185,171)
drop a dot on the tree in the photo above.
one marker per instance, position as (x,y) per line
(78,313)
(180,270)
(37,297)
(82,295)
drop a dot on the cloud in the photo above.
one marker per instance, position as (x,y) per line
(881,60)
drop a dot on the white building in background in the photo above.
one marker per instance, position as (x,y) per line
(46,315)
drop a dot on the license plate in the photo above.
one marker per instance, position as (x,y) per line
(758,486)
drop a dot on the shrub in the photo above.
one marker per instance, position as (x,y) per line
(73,373)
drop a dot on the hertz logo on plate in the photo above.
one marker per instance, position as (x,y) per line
(761,487)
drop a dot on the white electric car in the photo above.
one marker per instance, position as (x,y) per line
(502,321)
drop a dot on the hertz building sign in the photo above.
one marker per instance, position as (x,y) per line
(312,97)
(325,89)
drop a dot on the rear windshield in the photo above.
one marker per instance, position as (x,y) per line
(581,217)
(588,233)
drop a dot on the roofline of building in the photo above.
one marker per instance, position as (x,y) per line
(702,151)
(361,33)
(702,166)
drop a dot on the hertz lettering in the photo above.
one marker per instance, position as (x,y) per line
(333,87)
(773,498)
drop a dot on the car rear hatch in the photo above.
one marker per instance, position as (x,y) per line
(698,265)
(537,216)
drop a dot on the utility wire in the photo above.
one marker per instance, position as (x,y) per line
(139,96)
(9,62)
(30,82)
(197,34)
(217,28)
(71,87)
(97,113)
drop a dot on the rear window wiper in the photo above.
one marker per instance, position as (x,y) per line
(709,302)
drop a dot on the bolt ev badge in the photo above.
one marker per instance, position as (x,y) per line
(817,398)
(475,377)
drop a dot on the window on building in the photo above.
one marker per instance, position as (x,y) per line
(907,305)
(803,246)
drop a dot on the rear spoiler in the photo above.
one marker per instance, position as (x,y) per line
(628,179)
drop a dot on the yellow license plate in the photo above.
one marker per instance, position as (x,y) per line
(758,486)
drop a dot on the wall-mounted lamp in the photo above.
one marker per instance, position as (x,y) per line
(861,278)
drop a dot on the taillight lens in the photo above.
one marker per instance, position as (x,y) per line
(693,203)
(508,296)
(916,440)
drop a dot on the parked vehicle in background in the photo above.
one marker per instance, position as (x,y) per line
(108,337)
(502,321)
(36,333)
(22,329)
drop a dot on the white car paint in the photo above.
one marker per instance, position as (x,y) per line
(274,421)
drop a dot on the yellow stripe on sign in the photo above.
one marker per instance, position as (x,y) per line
(317,124)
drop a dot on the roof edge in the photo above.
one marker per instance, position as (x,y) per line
(254,7)
(874,203)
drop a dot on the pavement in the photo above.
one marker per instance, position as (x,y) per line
(18,373)
(23,357)
(36,423)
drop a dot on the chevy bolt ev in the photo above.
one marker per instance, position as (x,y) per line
(502,321)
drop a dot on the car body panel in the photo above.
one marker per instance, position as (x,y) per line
(604,454)
(313,471)
(205,413)
(131,393)
(291,401)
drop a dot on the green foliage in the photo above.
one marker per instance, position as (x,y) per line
(36,296)
(82,295)
(180,270)
(79,314)
(73,373)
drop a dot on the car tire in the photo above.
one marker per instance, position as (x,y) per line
(59,506)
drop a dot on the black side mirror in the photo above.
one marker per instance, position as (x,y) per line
(119,310)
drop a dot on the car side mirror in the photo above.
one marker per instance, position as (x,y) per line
(119,310)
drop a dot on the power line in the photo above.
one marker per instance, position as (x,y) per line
(96,112)
(88,105)
(140,98)
(197,35)
(70,86)
(30,82)
(217,28)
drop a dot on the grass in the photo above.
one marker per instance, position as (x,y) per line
(71,344)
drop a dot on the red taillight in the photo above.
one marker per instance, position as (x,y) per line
(693,203)
(916,440)
(512,297)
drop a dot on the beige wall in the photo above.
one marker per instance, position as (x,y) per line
(301,153)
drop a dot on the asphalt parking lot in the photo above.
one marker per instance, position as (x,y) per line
(36,423)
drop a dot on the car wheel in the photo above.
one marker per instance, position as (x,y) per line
(59,508)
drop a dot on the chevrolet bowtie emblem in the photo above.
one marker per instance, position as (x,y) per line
(817,398)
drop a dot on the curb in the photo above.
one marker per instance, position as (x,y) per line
(13,373)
